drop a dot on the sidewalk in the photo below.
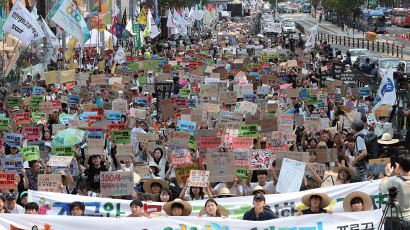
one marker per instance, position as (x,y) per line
(334,28)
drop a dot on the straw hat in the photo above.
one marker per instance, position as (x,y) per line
(259,188)
(225,192)
(387,139)
(64,176)
(219,209)
(137,177)
(153,164)
(367,201)
(148,183)
(323,204)
(349,170)
(187,207)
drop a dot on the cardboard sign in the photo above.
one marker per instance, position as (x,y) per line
(31,132)
(221,166)
(98,80)
(117,183)
(147,137)
(143,172)
(121,136)
(38,116)
(12,164)
(299,156)
(246,107)
(178,140)
(210,142)
(95,146)
(124,151)
(181,157)
(312,124)
(45,107)
(229,97)
(120,105)
(59,161)
(167,108)
(30,153)
(242,142)
(259,159)
(163,90)
(8,180)
(49,182)
(198,178)
(326,155)
(63,151)
(182,172)
(242,158)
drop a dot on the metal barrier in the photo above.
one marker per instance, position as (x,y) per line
(360,43)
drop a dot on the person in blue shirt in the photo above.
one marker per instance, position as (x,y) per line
(366,66)
(373,72)
(348,58)
(259,211)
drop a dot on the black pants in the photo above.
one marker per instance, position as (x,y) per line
(392,224)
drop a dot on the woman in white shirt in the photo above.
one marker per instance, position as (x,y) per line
(212,209)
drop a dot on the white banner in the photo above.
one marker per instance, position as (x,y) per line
(119,56)
(283,205)
(21,24)
(357,220)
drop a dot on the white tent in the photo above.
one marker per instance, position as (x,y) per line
(95,38)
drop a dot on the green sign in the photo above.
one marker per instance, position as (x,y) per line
(121,136)
(312,100)
(304,94)
(13,102)
(248,130)
(30,153)
(66,151)
(242,173)
(38,116)
(35,101)
(185,93)
(4,124)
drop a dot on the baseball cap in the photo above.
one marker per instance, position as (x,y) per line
(259,197)
(10,196)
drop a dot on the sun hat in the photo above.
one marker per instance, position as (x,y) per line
(148,183)
(219,209)
(187,207)
(367,201)
(323,204)
(387,139)
(225,192)
(349,170)
(259,188)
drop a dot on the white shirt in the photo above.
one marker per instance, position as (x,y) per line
(231,190)
(17,209)
(268,186)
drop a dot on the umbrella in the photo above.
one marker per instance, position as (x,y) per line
(68,137)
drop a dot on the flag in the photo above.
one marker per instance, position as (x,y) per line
(21,24)
(114,23)
(124,17)
(108,45)
(386,94)
(170,20)
(136,38)
(3,17)
(119,56)
(50,35)
(101,14)
(142,17)
(156,13)
(310,43)
(154,32)
(148,26)
(73,23)
(116,10)
(101,65)
(113,68)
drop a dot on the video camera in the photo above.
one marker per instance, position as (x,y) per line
(400,76)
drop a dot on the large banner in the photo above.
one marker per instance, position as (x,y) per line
(283,205)
(357,220)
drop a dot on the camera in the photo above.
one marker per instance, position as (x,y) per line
(393,192)
(361,166)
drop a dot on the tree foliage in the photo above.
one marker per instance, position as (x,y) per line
(345,6)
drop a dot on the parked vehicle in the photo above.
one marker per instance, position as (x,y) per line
(354,53)
(373,20)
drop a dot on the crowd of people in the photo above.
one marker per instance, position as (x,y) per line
(230,60)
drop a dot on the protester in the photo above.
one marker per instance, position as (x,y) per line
(260,211)
(11,205)
(154,186)
(177,207)
(357,201)
(316,202)
(2,205)
(136,209)
(344,175)
(31,208)
(360,151)
(77,208)
(212,209)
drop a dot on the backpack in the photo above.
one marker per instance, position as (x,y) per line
(372,146)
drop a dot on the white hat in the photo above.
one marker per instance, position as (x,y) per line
(387,139)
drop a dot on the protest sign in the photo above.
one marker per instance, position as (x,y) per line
(121,136)
(178,140)
(22,118)
(38,116)
(181,157)
(30,153)
(242,142)
(8,180)
(143,172)
(259,159)
(35,101)
(304,94)
(221,166)
(376,166)
(299,156)
(186,126)
(147,137)
(246,107)
(210,142)
(198,178)
(56,104)
(12,164)
(119,183)
(59,161)
(312,124)
(182,172)
(248,130)
(58,127)
(124,151)
(12,139)
(31,132)
(4,124)
(120,105)
(291,176)
(13,102)
(167,109)
(49,182)
(63,151)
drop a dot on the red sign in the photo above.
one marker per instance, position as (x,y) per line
(242,142)
(115,127)
(22,118)
(56,104)
(210,142)
(31,132)
(7,180)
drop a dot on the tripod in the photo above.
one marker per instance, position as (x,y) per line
(395,220)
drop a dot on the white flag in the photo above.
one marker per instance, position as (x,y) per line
(153,28)
(170,20)
(386,94)
(50,35)
(120,56)
(21,24)
(310,43)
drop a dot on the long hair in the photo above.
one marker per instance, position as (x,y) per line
(213,201)
(201,192)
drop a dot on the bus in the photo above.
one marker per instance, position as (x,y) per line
(374,20)
(402,17)
(395,15)
(306,8)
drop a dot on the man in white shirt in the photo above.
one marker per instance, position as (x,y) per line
(11,205)
(150,77)
(262,176)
